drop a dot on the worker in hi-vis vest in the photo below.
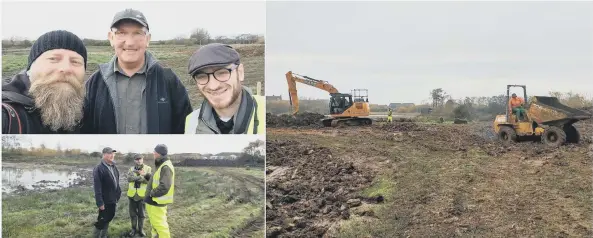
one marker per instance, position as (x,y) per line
(138,178)
(229,107)
(159,192)
(390,115)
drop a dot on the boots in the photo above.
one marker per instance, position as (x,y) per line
(97,233)
(140,227)
(105,231)
(134,221)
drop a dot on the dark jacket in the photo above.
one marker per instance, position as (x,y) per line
(167,102)
(16,94)
(106,190)
(165,183)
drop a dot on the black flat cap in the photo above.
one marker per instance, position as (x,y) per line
(212,55)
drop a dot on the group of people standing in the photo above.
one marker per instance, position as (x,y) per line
(132,93)
(147,192)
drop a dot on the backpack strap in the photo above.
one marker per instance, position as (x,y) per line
(14,126)
(255,120)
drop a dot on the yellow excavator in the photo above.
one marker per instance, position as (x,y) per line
(345,109)
(547,119)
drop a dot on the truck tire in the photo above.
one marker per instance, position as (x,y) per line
(554,136)
(507,134)
(572,134)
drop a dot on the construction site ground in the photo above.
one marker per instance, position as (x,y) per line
(411,179)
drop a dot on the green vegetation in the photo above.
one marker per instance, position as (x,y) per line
(215,202)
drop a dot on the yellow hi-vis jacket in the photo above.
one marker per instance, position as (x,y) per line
(167,198)
(257,120)
(142,189)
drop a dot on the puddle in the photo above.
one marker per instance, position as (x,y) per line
(22,179)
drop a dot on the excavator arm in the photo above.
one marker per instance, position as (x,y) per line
(293,78)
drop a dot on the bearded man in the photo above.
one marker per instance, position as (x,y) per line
(229,107)
(47,97)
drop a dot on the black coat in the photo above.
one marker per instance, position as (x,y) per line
(106,190)
(167,103)
(25,118)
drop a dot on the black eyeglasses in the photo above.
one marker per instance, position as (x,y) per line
(222,75)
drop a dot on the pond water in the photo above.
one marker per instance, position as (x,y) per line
(19,179)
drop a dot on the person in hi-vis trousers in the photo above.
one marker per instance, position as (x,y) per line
(159,192)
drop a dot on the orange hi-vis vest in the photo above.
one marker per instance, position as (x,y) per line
(515,102)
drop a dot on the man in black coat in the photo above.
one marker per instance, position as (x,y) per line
(133,93)
(47,97)
(107,191)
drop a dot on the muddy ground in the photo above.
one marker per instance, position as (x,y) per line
(418,180)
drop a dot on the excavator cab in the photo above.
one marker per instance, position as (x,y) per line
(339,102)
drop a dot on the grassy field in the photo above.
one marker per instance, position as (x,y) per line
(173,56)
(209,202)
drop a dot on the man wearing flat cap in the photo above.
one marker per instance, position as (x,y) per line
(47,97)
(159,192)
(133,93)
(229,107)
(107,191)
(138,178)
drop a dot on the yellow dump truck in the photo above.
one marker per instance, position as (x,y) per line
(547,119)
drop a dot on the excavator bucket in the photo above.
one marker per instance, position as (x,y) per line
(549,111)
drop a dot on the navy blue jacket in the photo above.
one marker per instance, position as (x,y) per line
(167,102)
(106,190)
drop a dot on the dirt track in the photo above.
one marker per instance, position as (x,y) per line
(449,180)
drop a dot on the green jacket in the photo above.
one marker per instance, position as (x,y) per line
(165,183)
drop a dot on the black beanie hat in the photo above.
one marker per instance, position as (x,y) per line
(161,149)
(59,39)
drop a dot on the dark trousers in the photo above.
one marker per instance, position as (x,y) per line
(137,208)
(105,216)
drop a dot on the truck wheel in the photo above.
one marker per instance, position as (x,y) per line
(572,134)
(554,136)
(507,134)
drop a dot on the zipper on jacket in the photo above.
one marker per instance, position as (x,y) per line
(208,125)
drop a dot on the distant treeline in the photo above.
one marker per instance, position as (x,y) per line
(253,154)
(199,36)
(241,161)
(443,105)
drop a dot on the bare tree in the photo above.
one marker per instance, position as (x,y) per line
(10,142)
(201,36)
(438,97)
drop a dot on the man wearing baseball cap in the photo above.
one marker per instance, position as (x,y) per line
(133,93)
(47,97)
(138,178)
(107,191)
(229,107)
(159,192)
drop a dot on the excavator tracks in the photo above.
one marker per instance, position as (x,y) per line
(342,122)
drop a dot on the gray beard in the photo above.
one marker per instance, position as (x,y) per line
(59,108)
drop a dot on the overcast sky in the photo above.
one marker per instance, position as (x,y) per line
(202,144)
(166,19)
(400,51)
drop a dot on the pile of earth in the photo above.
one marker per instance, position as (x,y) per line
(400,127)
(306,119)
(308,189)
